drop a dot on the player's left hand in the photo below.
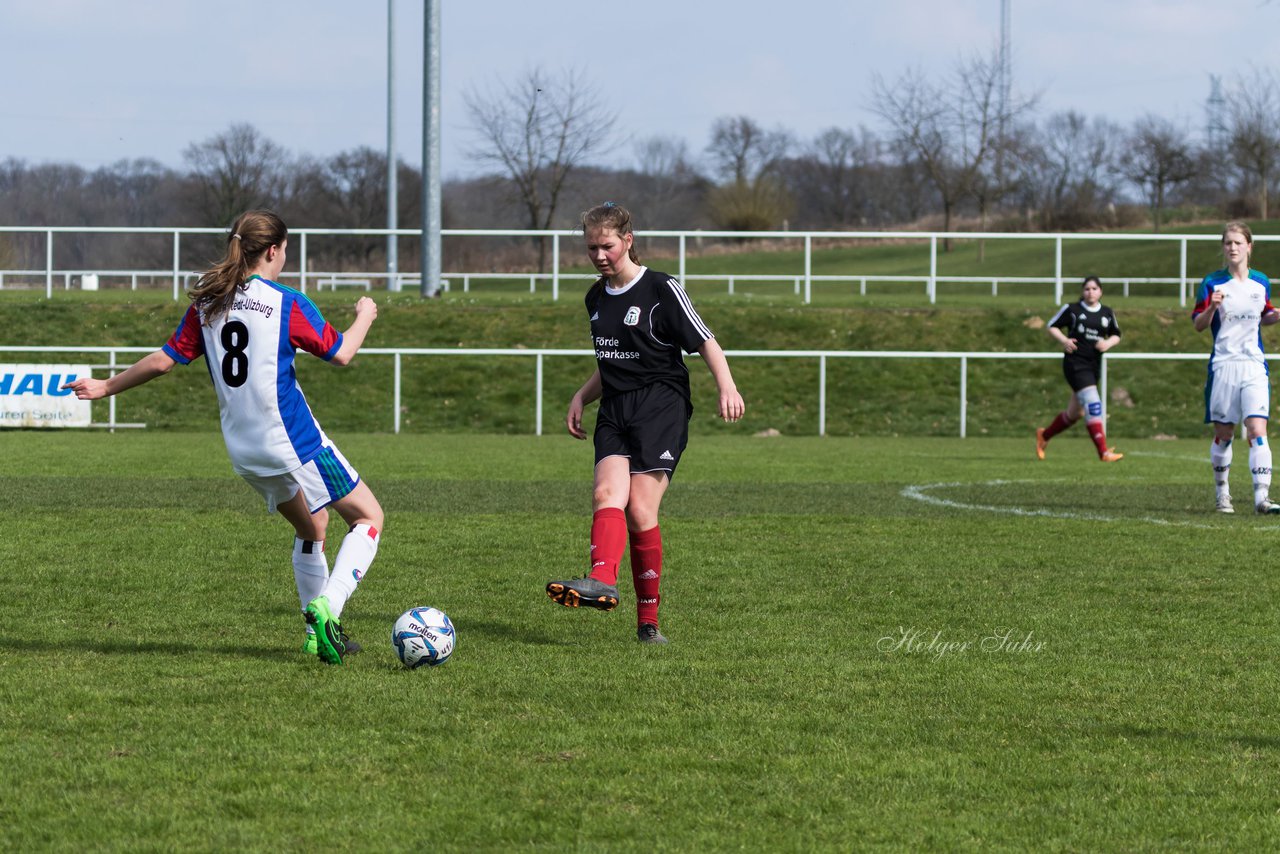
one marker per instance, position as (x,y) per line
(732,405)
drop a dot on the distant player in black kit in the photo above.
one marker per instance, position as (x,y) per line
(1086,330)
(640,321)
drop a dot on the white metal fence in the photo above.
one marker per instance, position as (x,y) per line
(802,280)
(540,355)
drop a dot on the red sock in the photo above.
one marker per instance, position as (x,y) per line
(608,539)
(646,572)
(1098,434)
(1059,424)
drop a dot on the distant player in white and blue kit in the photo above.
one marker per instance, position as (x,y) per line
(248,328)
(1236,303)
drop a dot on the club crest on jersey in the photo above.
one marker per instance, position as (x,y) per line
(633,316)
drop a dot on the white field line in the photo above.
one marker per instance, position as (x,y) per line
(921,492)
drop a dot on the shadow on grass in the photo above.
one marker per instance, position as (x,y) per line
(171,648)
(1175,735)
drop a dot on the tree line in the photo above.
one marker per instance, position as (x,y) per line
(954,152)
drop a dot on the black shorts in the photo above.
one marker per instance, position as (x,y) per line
(650,426)
(1080,373)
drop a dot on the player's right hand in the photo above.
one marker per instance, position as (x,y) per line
(87,388)
(1070,346)
(573,418)
(366,304)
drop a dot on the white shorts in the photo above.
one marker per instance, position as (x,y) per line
(323,480)
(1236,391)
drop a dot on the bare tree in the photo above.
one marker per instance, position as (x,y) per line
(747,158)
(237,170)
(671,187)
(537,131)
(1070,177)
(954,130)
(829,175)
(1253,110)
(1157,158)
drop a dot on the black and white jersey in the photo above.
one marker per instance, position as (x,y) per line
(1088,327)
(639,330)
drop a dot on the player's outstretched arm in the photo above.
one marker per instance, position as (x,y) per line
(732,405)
(144,370)
(353,338)
(590,391)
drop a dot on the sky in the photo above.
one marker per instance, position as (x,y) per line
(92,82)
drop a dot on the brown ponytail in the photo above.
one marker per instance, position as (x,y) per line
(253,233)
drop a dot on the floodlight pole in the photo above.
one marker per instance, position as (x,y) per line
(393,253)
(431,150)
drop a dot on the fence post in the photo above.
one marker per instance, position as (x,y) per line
(1182,275)
(1057,270)
(538,398)
(48,264)
(933,268)
(395,395)
(964,393)
(808,269)
(682,279)
(177,247)
(302,264)
(555,268)
(111,401)
(822,395)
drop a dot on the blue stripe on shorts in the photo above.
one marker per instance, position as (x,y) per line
(334,474)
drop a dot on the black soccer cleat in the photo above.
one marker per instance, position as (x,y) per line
(648,633)
(584,592)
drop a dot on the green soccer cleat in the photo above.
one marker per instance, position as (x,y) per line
(310,644)
(584,592)
(328,631)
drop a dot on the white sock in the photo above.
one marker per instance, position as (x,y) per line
(310,570)
(358,549)
(1260,468)
(1220,457)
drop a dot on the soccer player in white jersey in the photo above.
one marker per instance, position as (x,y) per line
(248,328)
(1236,303)
(641,320)
(1085,331)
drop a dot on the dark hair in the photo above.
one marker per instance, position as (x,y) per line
(612,216)
(253,233)
(1094,279)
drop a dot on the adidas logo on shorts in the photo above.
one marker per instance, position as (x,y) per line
(666,455)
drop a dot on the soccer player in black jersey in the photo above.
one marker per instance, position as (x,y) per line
(1086,330)
(641,320)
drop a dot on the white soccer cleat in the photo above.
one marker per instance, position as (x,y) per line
(1224,504)
(1266,507)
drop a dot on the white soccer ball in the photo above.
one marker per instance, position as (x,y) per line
(423,636)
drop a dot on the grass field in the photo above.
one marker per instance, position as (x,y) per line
(928,644)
